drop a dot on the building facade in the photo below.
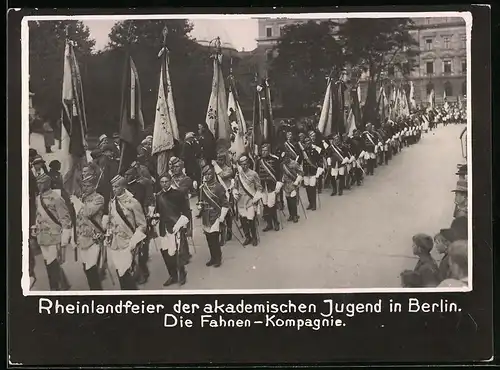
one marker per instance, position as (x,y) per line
(440,66)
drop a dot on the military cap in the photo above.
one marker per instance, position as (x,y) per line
(38,160)
(89,180)
(207,168)
(102,137)
(189,135)
(116,136)
(267,146)
(222,152)
(118,179)
(174,160)
(243,159)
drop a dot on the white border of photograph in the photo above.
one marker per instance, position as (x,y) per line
(25,281)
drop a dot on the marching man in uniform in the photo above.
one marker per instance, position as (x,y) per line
(292,177)
(214,206)
(89,230)
(312,171)
(224,173)
(337,161)
(53,231)
(247,193)
(371,146)
(173,213)
(126,227)
(269,171)
(292,148)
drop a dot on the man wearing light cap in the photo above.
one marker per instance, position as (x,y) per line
(313,169)
(53,231)
(291,179)
(172,212)
(184,184)
(269,170)
(126,227)
(89,229)
(247,193)
(214,207)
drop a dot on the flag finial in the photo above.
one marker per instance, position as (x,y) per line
(165,33)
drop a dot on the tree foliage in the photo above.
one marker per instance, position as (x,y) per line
(307,54)
(375,44)
(46,58)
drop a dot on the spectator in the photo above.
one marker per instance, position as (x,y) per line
(442,242)
(426,272)
(459,265)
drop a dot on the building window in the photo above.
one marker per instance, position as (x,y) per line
(428,44)
(429,67)
(390,71)
(464,88)
(463,41)
(448,89)
(446,42)
(429,88)
(447,66)
(269,32)
(464,66)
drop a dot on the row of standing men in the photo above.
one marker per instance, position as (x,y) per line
(117,216)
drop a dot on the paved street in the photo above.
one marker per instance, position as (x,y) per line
(359,240)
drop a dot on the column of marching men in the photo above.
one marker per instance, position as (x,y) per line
(121,216)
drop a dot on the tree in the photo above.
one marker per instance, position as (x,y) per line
(46,58)
(307,54)
(190,67)
(375,44)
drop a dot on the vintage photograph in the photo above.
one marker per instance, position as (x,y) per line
(246,153)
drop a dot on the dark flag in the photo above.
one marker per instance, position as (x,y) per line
(339,106)
(131,119)
(73,123)
(267,114)
(257,121)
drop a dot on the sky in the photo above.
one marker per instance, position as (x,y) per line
(241,33)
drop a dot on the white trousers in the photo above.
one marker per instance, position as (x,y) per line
(122,259)
(310,180)
(248,213)
(89,256)
(269,199)
(168,243)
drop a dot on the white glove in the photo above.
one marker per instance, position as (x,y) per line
(236,194)
(319,171)
(329,161)
(293,194)
(223,213)
(279,185)
(352,159)
(66,236)
(325,145)
(362,154)
(181,222)
(231,185)
(345,160)
(298,180)
(195,184)
(151,210)
(105,221)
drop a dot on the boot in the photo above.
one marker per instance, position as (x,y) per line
(182,275)
(216,250)
(308,192)
(63,280)
(245,225)
(127,281)
(320,184)
(341,184)
(359,176)
(93,278)
(274,216)
(268,219)
(53,274)
(211,261)
(313,198)
(229,231)
(334,186)
(253,232)
(171,264)
(293,209)
(289,205)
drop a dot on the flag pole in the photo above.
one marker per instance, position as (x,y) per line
(66,39)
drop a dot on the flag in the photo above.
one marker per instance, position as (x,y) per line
(73,123)
(165,125)
(325,125)
(236,121)
(355,107)
(413,103)
(351,122)
(257,138)
(431,99)
(216,118)
(131,119)
(338,103)
(267,114)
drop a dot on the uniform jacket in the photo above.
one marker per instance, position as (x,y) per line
(247,184)
(226,174)
(312,160)
(213,198)
(183,183)
(293,149)
(371,140)
(133,212)
(49,233)
(290,173)
(109,168)
(142,191)
(170,205)
(269,171)
(93,207)
(336,154)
